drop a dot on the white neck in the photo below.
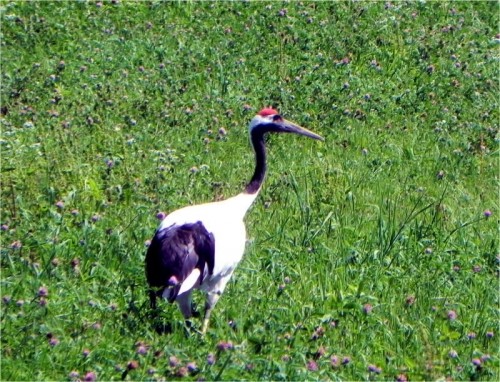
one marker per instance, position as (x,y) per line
(241,202)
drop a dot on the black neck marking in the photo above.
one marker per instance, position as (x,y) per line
(259,146)
(257,138)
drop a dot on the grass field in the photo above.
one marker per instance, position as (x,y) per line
(372,256)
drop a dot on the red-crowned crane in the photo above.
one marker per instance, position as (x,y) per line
(200,246)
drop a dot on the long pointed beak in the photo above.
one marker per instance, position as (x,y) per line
(291,127)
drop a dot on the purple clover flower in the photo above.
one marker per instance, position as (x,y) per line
(334,361)
(367,308)
(487,213)
(471,336)
(211,359)
(173,361)
(75,262)
(223,346)
(452,354)
(74,374)
(141,350)
(161,215)
(43,291)
(346,360)
(312,365)
(319,332)
(182,372)
(282,12)
(60,204)
(452,315)
(90,377)
(16,244)
(374,369)
(490,334)
(476,362)
(344,61)
(410,300)
(320,352)
(132,365)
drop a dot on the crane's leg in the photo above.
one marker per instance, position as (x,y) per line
(152,298)
(186,308)
(212,298)
(184,301)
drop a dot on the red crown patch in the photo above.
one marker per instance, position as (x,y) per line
(267,111)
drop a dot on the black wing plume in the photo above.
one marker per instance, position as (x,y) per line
(175,252)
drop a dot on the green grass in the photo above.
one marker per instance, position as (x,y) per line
(359,246)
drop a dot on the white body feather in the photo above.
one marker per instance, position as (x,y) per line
(224,220)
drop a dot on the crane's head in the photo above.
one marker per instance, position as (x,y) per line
(269,120)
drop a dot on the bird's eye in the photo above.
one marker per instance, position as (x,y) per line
(277,117)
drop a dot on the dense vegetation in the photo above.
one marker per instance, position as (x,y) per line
(372,255)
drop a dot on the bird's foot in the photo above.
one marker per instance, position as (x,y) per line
(190,328)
